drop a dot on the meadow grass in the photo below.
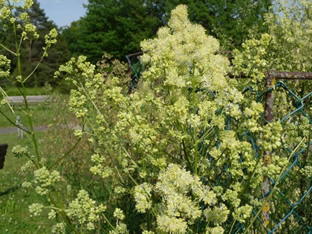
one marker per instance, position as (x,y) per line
(14,200)
(14,91)
(42,113)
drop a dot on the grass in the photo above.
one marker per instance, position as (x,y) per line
(14,200)
(13,91)
(42,114)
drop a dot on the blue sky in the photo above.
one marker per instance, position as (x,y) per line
(63,12)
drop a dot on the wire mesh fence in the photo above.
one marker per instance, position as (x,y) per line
(286,213)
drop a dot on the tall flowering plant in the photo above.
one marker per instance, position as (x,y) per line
(176,155)
(178,146)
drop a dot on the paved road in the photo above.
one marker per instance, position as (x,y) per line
(30,99)
(39,128)
(14,129)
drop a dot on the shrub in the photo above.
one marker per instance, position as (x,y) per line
(186,151)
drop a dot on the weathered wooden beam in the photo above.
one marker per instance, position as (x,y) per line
(282,75)
(279,75)
(267,158)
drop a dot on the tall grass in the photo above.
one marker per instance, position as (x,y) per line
(14,200)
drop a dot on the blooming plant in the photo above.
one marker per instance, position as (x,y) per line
(177,154)
(185,114)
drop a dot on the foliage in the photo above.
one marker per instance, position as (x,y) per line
(118,27)
(115,27)
(185,112)
(229,21)
(31,51)
(186,152)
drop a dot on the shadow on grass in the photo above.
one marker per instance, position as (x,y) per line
(9,190)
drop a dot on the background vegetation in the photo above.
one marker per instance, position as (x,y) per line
(118,27)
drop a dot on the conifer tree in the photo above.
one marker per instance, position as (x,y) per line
(32,50)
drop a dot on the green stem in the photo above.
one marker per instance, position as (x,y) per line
(253,172)
(19,69)
(57,163)
(20,43)
(33,161)
(34,70)
(232,226)
(31,125)
(7,49)
(195,137)
(109,223)
(24,129)
(196,152)
(206,134)
(186,155)
(62,213)
(6,96)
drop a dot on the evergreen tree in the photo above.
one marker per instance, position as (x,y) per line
(32,50)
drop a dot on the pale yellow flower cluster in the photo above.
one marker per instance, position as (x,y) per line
(181,51)
(180,193)
(5,65)
(45,180)
(84,211)
(142,196)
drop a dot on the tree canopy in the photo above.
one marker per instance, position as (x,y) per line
(118,26)
(32,50)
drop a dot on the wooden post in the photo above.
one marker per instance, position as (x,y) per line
(3,151)
(268,115)
(20,132)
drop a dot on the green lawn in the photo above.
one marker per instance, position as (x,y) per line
(42,114)
(14,200)
(13,91)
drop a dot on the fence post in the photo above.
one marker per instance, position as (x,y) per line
(20,132)
(268,115)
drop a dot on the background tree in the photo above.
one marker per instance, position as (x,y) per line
(32,49)
(230,21)
(118,26)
